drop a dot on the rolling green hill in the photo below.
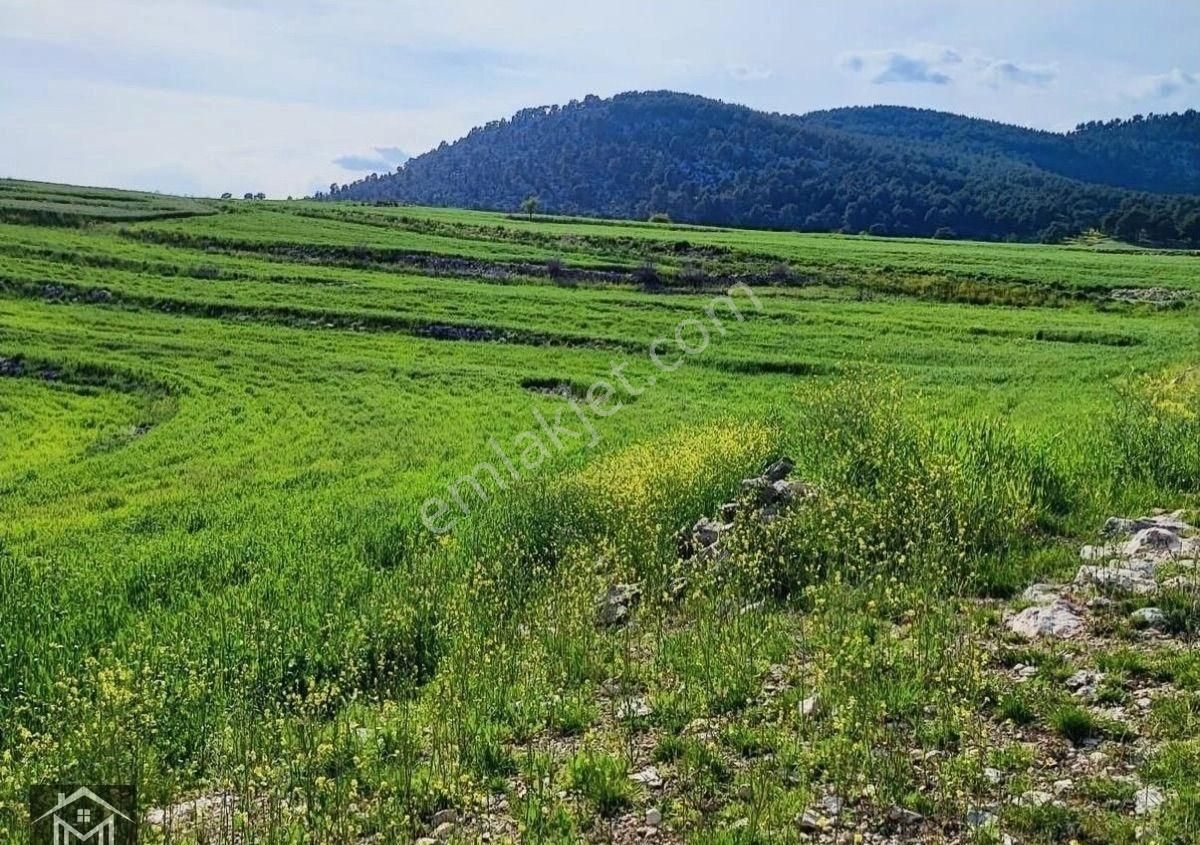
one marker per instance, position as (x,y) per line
(886,171)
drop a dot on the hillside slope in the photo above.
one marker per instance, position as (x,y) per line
(890,171)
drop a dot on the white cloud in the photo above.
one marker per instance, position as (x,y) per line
(1160,85)
(748,73)
(924,64)
(1001,72)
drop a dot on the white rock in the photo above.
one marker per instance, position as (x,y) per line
(1147,800)
(1154,542)
(1100,552)
(1148,617)
(1057,620)
(832,805)
(1035,798)
(1084,678)
(648,777)
(900,815)
(979,818)
(811,821)
(215,808)
(810,706)
(1042,593)
(1118,579)
(654,817)
(635,708)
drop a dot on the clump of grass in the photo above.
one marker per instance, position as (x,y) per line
(1074,723)
(1047,823)
(572,715)
(602,779)
(1015,707)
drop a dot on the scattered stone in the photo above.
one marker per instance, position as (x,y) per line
(904,816)
(1099,552)
(443,831)
(1058,620)
(1155,541)
(635,708)
(1064,785)
(1150,296)
(1035,798)
(1083,677)
(1117,579)
(993,776)
(810,706)
(812,822)
(779,470)
(614,606)
(1119,526)
(977,818)
(1147,800)
(1148,617)
(1042,594)
(653,817)
(832,805)
(443,816)
(1084,682)
(707,532)
(192,813)
(648,777)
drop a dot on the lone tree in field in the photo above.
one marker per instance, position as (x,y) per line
(529,205)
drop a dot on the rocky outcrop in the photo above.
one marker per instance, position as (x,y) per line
(1131,562)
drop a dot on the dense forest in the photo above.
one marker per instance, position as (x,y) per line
(884,170)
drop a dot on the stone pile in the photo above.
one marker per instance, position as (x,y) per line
(764,497)
(1132,561)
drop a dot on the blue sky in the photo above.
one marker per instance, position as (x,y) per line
(205,96)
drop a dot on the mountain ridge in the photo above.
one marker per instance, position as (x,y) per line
(889,170)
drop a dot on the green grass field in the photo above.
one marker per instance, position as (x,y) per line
(221,430)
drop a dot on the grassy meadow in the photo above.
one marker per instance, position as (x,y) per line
(222,423)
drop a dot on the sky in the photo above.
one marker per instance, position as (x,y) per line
(286,96)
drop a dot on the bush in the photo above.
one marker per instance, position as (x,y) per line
(660,217)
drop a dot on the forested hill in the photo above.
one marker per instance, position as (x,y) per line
(885,170)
